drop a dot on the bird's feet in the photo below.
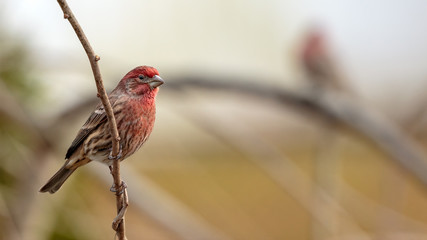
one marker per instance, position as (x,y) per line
(119,218)
(118,156)
(119,190)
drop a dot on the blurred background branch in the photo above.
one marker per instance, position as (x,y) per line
(335,106)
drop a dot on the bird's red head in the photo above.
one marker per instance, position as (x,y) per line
(142,70)
(141,80)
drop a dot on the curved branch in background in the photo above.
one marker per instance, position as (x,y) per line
(102,94)
(361,118)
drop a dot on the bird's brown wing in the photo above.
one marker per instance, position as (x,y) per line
(93,122)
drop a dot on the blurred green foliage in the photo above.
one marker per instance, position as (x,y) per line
(64,230)
(16,66)
(15,76)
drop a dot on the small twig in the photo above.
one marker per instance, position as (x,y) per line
(102,94)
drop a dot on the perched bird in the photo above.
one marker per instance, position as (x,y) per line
(133,103)
(318,62)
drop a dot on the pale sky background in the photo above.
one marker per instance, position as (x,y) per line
(381,44)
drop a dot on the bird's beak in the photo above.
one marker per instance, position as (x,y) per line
(155,81)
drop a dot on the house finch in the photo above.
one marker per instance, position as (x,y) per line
(133,103)
(318,63)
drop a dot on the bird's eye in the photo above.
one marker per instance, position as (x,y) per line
(141,77)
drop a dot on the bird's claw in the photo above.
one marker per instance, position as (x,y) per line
(119,190)
(118,156)
(119,218)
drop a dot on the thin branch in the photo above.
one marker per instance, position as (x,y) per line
(102,94)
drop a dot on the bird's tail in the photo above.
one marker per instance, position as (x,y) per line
(56,181)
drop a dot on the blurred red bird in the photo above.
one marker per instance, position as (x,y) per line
(133,103)
(319,63)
